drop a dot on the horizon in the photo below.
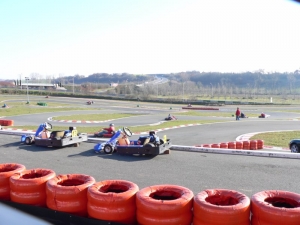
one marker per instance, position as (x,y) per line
(70,37)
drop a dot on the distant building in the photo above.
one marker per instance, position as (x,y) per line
(114,84)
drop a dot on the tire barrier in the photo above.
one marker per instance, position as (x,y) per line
(253,145)
(113,200)
(29,186)
(6,122)
(160,204)
(215,146)
(231,145)
(221,206)
(68,193)
(6,171)
(246,145)
(224,145)
(164,205)
(200,108)
(275,207)
(260,144)
(239,145)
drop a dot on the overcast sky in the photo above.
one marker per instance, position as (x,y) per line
(69,37)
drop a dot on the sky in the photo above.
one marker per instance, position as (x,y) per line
(69,37)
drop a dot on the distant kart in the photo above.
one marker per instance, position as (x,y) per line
(170,118)
(107,135)
(143,146)
(57,138)
(263,115)
(47,96)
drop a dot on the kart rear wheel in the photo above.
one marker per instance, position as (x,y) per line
(76,144)
(28,141)
(294,148)
(108,149)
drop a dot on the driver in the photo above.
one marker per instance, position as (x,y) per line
(109,130)
(45,133)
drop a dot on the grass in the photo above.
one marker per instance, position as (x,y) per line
(21,108)
(278,139)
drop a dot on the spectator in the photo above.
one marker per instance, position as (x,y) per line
(237,114)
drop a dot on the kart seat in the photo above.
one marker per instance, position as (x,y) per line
(57,134)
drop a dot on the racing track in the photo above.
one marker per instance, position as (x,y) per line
(197,171)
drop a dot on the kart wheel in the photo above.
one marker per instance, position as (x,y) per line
(28,141)
(108,149)
(294,148)
(76,145)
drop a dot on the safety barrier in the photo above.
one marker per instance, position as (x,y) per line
(221,206)
(29,186)
(6,171)
(68,193)
(113,200)
(242,145)
(275,207)
(120,201)
(6,122)
(164,205)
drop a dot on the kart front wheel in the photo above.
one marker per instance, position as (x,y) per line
(294,148)
(108,149)
(28,141)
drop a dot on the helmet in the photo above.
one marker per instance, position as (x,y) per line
(111,125)
(152,132)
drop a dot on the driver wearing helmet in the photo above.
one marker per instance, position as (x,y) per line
(108,130)
(153,137)
(45,133)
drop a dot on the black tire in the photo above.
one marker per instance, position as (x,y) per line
(28,141)
(108,149)
(294,148)
(76,144)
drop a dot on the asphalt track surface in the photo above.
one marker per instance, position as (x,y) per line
(196,171)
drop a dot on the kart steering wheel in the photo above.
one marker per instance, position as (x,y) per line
(127,131)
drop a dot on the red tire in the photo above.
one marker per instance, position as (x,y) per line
(275,207)
(29,186)
(260,144)
(221,206)
(224,145)
(6,171)
(215,145)
(164,205)
(231,145)
(68,193)
(239,145)
(253,145)
(246,145)
(113,200)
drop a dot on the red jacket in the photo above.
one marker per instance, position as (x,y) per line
(110,129)
(238,112)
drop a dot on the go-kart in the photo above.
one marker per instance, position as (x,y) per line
(47,96)
(170,118)
(89,102)
(44,137)
(106,135)
(145,145)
